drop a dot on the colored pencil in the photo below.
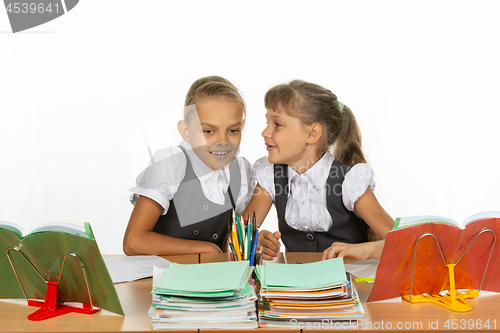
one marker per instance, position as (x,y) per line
(251,228)
(243,237)
(235,238)
(240,239)
(254,248)
(255,239)
(254,223)
(249,239)
(231,249)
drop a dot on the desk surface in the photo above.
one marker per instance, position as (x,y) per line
(399,315)
(135,298)
(394,315)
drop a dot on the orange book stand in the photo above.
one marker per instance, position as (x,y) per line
(453,299)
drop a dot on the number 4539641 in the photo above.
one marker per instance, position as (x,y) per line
(470,324)
(25,8)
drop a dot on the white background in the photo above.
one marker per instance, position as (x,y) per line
(83,96)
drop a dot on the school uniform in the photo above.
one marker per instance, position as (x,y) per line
(197,201)
(316,208)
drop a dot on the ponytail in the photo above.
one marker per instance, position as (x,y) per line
(347,147)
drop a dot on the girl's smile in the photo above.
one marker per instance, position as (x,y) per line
(220,154)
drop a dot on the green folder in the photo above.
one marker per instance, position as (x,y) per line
(216,279)
(45,251)
(326,273)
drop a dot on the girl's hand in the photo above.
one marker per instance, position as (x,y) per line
(270,244)
(350,252)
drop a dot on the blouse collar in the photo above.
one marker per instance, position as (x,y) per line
(317,174)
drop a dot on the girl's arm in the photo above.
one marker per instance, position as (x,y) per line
(370,210)
(261,204)
(141,239)
(354,252)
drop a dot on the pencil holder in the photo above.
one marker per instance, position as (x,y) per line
(254,258)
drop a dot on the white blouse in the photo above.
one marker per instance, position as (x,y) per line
(306,208)
(169,168)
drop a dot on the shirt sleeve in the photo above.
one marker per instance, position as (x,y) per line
(356,181)
(161,179)
(247,185)
(263,173)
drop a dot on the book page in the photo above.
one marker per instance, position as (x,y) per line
(17,229)
(363,269)
(126,269)
(481,216)
(70,227)
(403,222)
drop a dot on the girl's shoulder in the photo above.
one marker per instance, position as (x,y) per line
(171,157)
(167,166)
(263,171)
(262,164)
(360,171)
(356,181)
(172,154)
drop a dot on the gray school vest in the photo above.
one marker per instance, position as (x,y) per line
(346,226)
(192,216)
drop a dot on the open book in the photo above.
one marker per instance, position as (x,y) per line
(81,229)
(403,222)
(430,275)
(45,248)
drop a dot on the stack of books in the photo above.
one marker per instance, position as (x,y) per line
(315,295)
(212,295)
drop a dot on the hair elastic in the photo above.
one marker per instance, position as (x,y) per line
(341,106)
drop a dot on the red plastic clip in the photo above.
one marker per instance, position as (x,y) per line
(50,309)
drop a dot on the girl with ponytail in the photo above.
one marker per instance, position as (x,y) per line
(317,177)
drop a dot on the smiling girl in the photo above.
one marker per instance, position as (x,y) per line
(184,199)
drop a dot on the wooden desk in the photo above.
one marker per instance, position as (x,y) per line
(135,298)
(398,315)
